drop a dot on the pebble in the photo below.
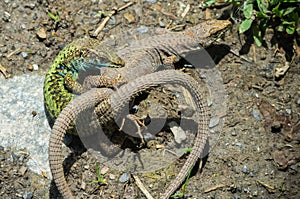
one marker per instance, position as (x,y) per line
(124,178)
(35,66)
(22,170)
(104,170)
(298,102)
(288,111)
(209,102)
(23,26)
(181,5)
(112,176)
(112,20)
(162,24)
(293,167)
(24,55)
(142,29)
(135,108)
(255,193)
(150,1)
(256,114)
(236,196)
(35,16)
(178,132)
(30,5)
(129,17)
(202,76)
(41,33)
(238,144)
(214,122)
(244,169)
(233,132)
(246,190)
(28,195)
(83,185)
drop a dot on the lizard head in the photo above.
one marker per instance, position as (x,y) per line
(208,31)
(107,56)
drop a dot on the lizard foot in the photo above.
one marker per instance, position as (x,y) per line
(137,123)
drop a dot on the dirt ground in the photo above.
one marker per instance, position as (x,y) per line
(258,152)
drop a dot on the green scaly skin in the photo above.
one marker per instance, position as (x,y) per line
(56,94)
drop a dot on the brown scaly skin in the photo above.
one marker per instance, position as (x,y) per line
(143,57)
(113,106)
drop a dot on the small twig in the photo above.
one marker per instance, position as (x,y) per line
(142,187)
(104,22)
(4,72)
(186,10)
(254,53)
(238,55)
(125,6)
(214,188)
(13,52)
(269,188)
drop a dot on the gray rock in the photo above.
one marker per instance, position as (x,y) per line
(214,122)
(124,177)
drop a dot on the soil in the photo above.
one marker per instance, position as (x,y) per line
(258,152)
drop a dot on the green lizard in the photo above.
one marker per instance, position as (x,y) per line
(79,55)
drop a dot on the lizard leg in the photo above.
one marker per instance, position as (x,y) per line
(137,124)
(89,82)
(72,85)
(102,81)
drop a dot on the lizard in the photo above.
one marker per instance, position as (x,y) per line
(143,57)
(77,56)
(113,104)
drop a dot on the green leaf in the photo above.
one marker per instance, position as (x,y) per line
(262,15)
(277,12)
(257,35)
(51,15)
(248,10)
(99,177)
(183,188)
(208,3)
(185,150)
(290,1)
(290,30)
(257,41)
(290,23)
(274,2)
(288,11)
(262,6)
(245,25)
(56,17)
(105,13)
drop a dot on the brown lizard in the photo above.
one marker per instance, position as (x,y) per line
(113,104)
(144,56)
